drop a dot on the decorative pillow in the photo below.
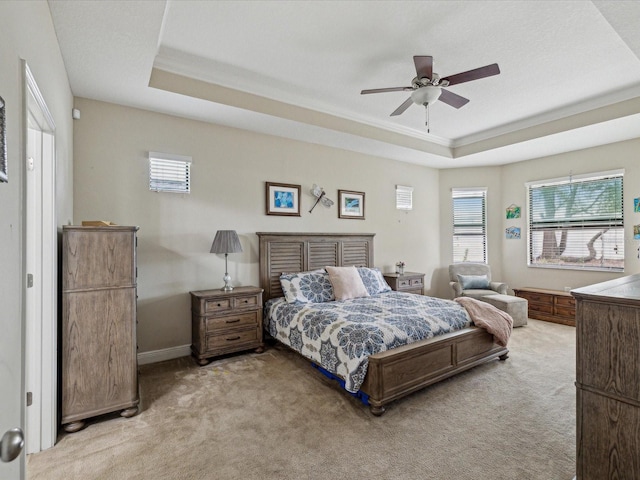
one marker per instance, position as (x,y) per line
(307,287)
(373,280)
(473,281)
(346,283)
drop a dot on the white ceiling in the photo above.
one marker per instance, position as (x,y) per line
(570,70)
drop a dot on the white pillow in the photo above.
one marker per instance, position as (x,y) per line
(346,283)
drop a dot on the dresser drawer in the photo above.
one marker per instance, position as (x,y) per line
(538,297)
(566,302)
(565,312)
(232,339)
(214,324)
(246,301)
(537,307)
(217,305)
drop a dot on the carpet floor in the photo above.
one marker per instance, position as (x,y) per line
(272,416)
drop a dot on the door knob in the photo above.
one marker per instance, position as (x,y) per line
(11,444)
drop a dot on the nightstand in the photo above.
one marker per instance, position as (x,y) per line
(408,282)
(225,322)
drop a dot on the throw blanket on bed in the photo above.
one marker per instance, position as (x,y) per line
(493,320)
(340,335)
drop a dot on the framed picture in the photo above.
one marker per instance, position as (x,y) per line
(512,232)
(3,144)
(513,211)
(351,204)
(636,205)
(283,199)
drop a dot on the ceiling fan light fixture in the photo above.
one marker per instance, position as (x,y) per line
(426,95)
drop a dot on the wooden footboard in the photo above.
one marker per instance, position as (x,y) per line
(396,373)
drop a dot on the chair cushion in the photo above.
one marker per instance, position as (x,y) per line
(473,281)
(477,293)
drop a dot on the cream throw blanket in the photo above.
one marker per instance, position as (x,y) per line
(493,320)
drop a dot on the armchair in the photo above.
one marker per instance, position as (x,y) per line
(474,280)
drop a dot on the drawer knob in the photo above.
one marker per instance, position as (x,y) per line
(231,339)
(246,301)
(219,304)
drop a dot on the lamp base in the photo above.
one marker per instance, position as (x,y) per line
(227,283)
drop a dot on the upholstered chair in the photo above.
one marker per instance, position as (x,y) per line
(474,280)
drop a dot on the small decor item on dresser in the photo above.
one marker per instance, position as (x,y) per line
(400,268)
(226,241)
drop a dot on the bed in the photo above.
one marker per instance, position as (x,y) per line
(390,374)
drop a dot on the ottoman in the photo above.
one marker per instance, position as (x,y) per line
(517,307)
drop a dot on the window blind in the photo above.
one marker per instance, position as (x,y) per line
(469,225)
(577,223)
(404,197)
(169,173)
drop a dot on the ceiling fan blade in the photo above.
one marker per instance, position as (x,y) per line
(382,90)
(453,99)
(400,110)
(424,66)
(475,74)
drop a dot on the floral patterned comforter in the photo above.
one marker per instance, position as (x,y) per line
(340,336)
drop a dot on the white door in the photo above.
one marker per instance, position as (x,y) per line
(11,313)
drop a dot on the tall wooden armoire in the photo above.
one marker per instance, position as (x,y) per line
(98,331)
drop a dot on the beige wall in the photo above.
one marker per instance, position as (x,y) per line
(508,258)
(230,168)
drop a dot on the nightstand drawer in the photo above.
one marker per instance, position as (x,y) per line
(217,305)
(223,323)
(232,339)
(248,301)
(404,282)
(416,282)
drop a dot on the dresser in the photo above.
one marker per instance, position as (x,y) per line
(98,328)
(225,322)
(408,282)
(608,380)
(550,305)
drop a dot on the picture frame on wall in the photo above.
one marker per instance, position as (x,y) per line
(283,199)
(351,204)
(3,143)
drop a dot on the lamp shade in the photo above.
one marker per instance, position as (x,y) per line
(226,241)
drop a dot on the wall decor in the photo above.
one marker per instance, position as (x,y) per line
(283,199)
(636,233)
(351,204)
(636,204)
(321,196)
(512,232)
(513,211)
(3,144)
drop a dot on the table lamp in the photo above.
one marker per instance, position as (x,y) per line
(226,241)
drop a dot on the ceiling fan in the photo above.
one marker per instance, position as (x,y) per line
(427,87)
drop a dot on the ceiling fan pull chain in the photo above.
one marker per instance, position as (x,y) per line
(426,107)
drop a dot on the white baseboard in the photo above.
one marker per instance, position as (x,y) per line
(155,356)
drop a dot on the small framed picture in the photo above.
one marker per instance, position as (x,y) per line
(283,199)
(351,204)
(3,144)
(512,232)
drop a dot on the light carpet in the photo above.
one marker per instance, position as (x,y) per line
(272,416)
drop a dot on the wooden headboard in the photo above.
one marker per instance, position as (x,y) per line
(293,252)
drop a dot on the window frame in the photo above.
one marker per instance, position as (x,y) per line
(593,222)
(468,192)
(182,181)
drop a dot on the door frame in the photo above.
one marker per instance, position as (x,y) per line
(41,322)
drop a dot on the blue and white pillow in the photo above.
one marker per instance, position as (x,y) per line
(373,280)
(307,287)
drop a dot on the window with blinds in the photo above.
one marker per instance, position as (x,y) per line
(169,173)
(404,197)
(577,222)
(469,225)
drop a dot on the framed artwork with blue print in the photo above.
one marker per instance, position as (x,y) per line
(283,199)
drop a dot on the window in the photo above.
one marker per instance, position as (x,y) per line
(577,222)
(169,173)
(404,197)
(469,225)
